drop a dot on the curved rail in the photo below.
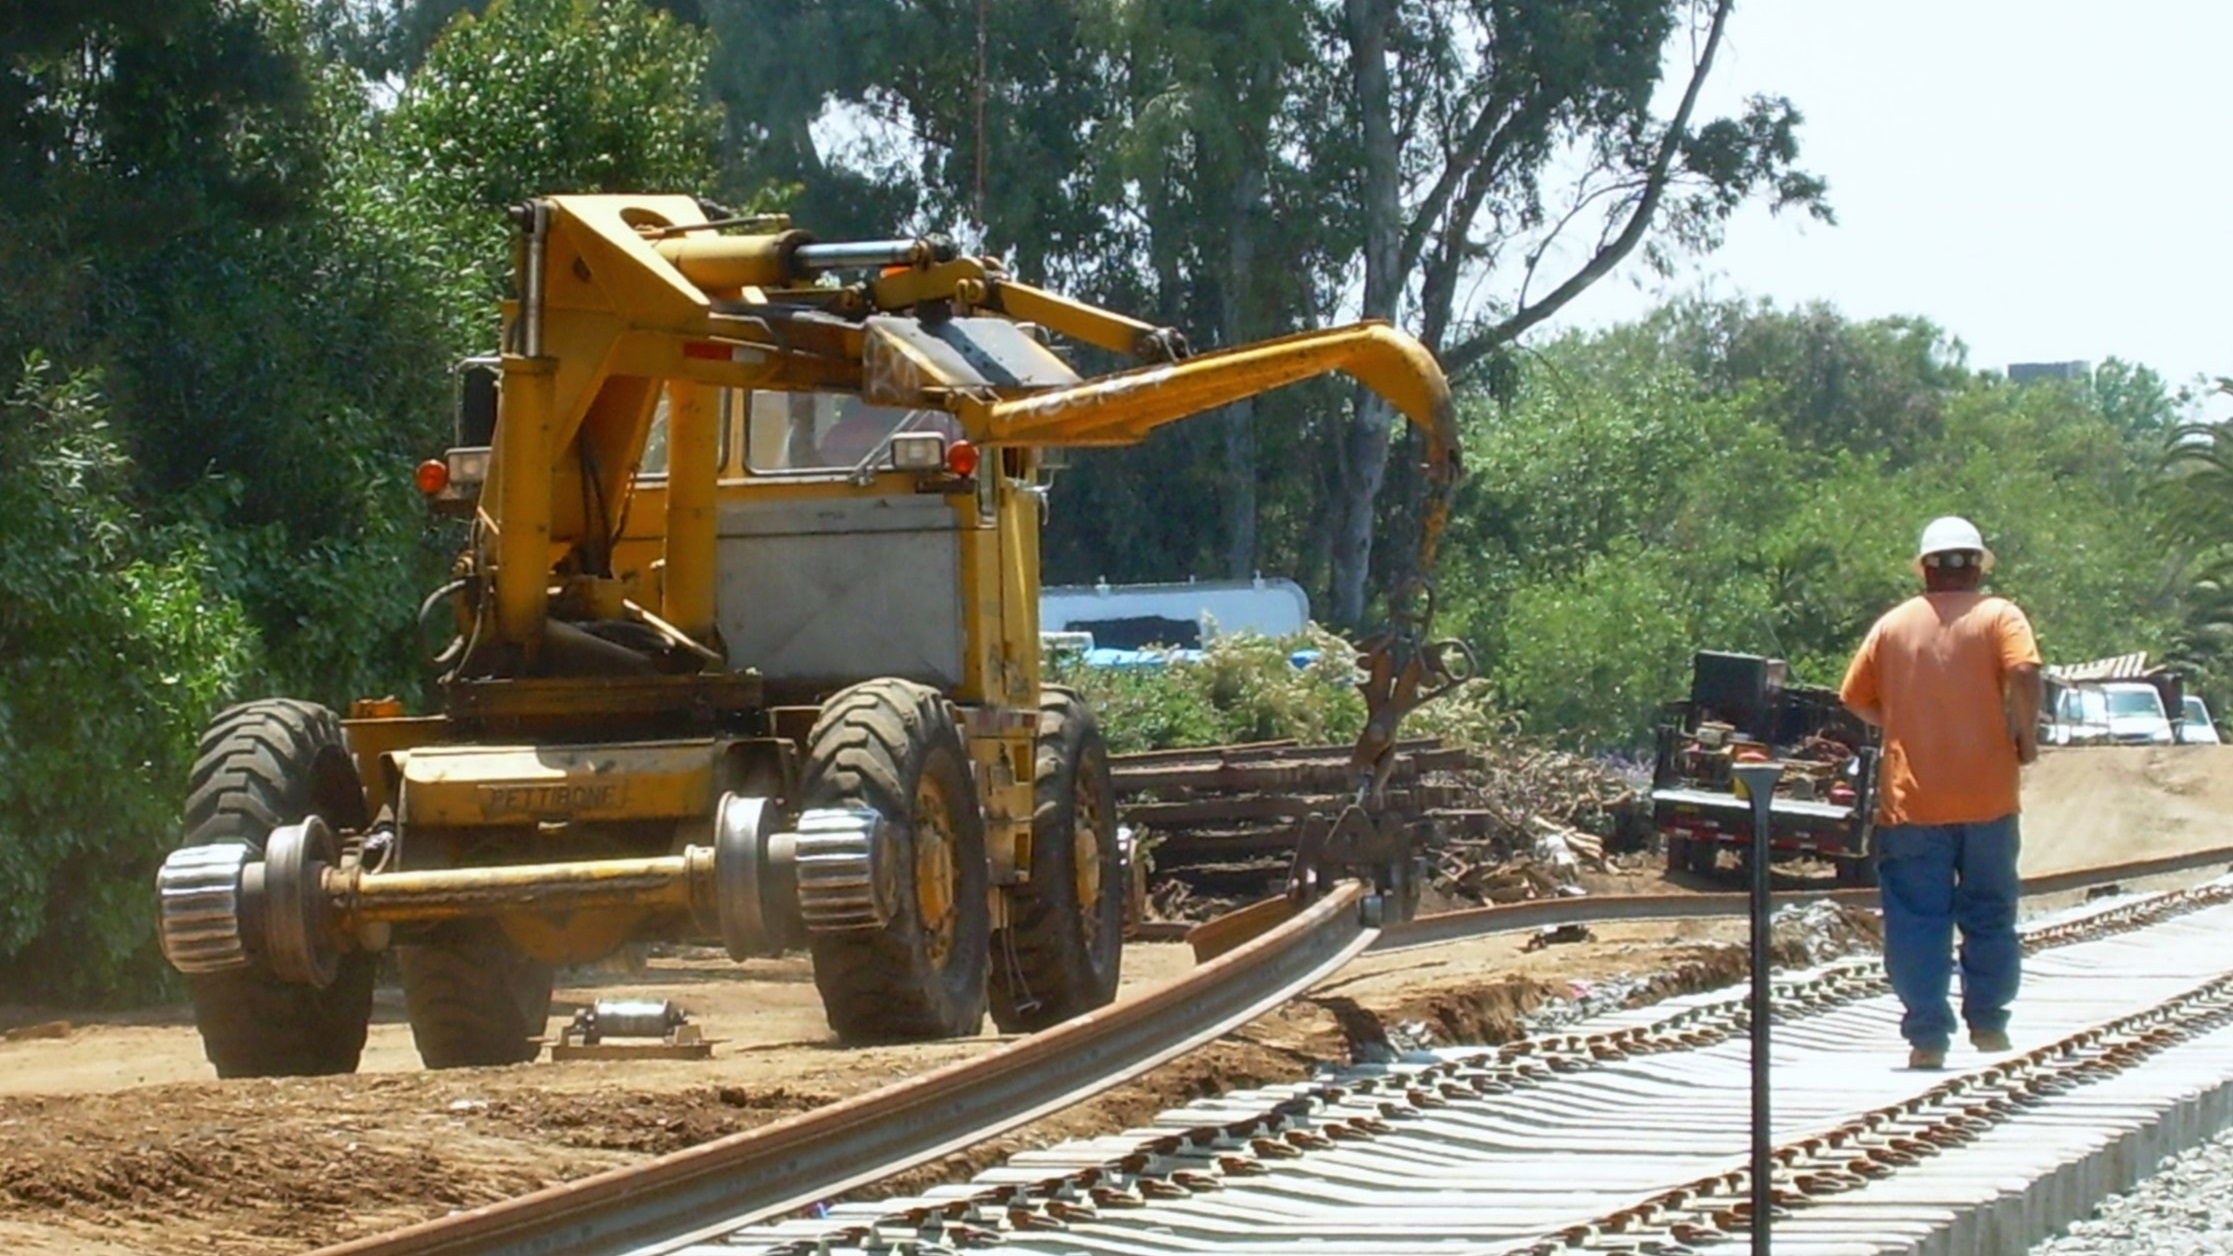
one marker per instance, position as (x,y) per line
(1445,927)
(703,1191)
(761,1173)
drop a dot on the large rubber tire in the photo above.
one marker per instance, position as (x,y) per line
(261,765)
(1064,945)
(891,746)
(473,997)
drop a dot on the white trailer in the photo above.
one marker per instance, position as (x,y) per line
(1183,616)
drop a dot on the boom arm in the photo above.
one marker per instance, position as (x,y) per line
(1122,409)
(620,294)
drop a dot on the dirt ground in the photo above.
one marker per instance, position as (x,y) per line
(114,1138)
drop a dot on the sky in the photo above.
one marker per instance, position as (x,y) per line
(2045,179)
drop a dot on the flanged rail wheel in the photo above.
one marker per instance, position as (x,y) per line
(891,747)
(474,998)
(262,765)
(1063,948)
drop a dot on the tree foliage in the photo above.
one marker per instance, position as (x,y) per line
(115,642)
(531,97)
(1460,112)
(242,285)
(1247,169)
(1739,477)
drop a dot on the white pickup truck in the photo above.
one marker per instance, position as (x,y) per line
(2109,713)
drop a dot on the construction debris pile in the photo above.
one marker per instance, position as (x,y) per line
(1217,826)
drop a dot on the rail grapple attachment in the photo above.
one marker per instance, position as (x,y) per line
(1357,846)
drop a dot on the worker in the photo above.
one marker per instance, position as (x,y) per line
(1952,677)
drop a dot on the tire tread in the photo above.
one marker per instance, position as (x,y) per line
(474,998)
(876,986)
(260,765)
(1042,972)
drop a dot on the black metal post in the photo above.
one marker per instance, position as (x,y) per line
(1759,780)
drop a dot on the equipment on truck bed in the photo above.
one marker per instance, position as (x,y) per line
(746,649)
(1742,709)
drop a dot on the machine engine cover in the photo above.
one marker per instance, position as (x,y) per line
(911,363)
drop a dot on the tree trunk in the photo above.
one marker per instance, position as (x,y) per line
(1236,301)
(1240,489)
(1365,451)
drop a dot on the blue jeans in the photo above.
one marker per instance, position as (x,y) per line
(1935,877)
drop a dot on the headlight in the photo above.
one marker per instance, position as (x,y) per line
(469,464)
(918,451)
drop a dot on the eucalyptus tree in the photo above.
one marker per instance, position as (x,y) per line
(1493,137)
(1215,145)
(1244,168)
(1154,154)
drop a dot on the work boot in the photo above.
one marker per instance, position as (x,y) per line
(1926,1057)
(1990,1041)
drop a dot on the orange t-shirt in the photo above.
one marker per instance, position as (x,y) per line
(1937,667)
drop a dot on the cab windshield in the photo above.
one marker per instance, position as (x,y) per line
(802,431)
(2129,702)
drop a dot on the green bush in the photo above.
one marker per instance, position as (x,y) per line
(1247,688)
(113,650)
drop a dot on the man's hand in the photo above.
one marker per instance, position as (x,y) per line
(2021,701)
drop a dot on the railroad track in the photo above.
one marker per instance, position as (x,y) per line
(704,1197)
(1623,1137)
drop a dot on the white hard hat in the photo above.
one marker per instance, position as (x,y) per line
(1949,533)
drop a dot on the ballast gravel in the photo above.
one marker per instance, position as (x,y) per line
(2177,1212)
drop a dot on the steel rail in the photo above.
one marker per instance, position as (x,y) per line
(760,1173)
(1455,926)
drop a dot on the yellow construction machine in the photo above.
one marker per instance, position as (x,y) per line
(746,651)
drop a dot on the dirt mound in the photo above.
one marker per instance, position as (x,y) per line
(241,1163)
(2089,805)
